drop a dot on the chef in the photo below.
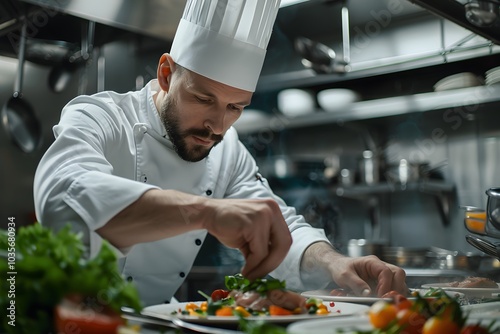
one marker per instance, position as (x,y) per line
(153,171)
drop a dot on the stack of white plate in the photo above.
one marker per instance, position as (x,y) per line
(455,81)
(493,76)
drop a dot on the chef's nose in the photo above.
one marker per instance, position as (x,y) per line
(216,123)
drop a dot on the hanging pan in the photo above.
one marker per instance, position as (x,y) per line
(18,117)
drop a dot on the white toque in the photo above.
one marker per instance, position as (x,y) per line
(225,40)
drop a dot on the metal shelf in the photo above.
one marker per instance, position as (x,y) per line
(386,107)
(362,190)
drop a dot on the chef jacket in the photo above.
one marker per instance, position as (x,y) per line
(109,149)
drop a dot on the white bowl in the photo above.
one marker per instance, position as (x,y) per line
(294,102)
(336,99)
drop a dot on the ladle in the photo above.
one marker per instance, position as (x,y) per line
(18,117)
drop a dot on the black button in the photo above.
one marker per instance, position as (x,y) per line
(181,274)
(130,278)
(208,192)
(197,242)
(166,302)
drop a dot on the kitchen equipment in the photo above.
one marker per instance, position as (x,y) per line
(493,209)
(438,258)
(484,245)
(62,73)
(316,56)
(369,167)
(475,219)
(482,13)
(492,76)
(18,117)
(459,80)
(406,257)
(336,99)
(363,247)
(295,102)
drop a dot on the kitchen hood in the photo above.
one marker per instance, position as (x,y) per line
(458,12)
(55,26)
(156,18)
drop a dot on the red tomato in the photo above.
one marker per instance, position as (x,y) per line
(411,321)
(381,314)
(390,294)
(474,329)
(438,325)
(71,318)
(219,294)
(402,302)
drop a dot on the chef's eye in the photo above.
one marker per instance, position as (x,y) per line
(234,107)
(202,100)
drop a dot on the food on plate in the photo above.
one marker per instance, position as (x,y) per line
(56,285)
(474,282)
(339,292)
(422,315)
(246,298)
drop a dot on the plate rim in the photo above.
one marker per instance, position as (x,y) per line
(234,320)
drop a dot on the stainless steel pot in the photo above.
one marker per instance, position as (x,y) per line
(493,209)
(406,257)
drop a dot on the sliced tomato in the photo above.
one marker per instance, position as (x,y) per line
(219,294)
(73,318)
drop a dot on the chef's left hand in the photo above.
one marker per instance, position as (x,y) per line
(368,276)
(365,276)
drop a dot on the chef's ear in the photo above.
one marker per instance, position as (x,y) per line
(166,66)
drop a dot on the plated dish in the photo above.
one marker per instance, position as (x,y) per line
(468,292)
(337,310)
(325,295)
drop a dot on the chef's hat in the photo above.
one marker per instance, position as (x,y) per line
(225,40)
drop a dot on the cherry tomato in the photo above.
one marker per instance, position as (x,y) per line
(402,302)
(474,329)
(390,294)
(411,321)
(219,294)
(382,313)
(439,325)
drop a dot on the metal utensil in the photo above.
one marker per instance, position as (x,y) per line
(484,245)
(18,117)
(172,322)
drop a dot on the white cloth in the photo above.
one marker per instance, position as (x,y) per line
(109,149)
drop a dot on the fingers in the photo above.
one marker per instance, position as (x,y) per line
(263,256)
(387,276)
(369,275)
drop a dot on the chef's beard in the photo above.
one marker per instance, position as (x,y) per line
(168,115)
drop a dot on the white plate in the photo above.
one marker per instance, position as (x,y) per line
(468,292)
(350,325)
(483,311)
(325,295)
(340,309)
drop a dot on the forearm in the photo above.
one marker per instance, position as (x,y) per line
(156,215)
(315,263)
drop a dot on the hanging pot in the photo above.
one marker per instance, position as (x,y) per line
(18,117)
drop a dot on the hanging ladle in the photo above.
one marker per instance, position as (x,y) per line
(18,117)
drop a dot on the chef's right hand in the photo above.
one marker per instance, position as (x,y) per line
(254,226)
